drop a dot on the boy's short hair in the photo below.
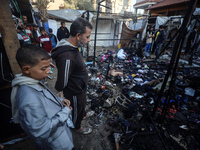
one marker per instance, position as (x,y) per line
(42,29)
(62,22)
(50,30)
(79,26)
(31,55)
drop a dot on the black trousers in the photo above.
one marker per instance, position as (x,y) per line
(78,104)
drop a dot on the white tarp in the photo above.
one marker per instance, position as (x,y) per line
(53,26)
(136,26)
(68,14)
(160,21)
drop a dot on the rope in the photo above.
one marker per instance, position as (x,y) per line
(18,10)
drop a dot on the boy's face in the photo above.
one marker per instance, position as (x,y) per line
(39,71)
(43,32)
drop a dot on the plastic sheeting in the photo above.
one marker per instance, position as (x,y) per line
(138,25)
(53,26)
(127,33)
(161,21)
(68,14)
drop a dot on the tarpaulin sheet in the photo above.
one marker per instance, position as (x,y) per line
(127,33)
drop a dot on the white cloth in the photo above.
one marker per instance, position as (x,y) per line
(121,54)
(18,81)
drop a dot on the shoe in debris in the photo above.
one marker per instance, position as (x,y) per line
(85,131)
(89,114)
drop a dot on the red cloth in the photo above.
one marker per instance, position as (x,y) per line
(28,31)
(46,42)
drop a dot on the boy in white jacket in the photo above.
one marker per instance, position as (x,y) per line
(41,114)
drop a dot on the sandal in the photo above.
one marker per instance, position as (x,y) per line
(85,131)
(89,114)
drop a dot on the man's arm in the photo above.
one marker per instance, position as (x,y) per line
(58,34)
(65,68)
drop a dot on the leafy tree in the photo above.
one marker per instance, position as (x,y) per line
(42,8)
(79,4)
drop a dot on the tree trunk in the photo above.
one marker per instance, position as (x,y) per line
(9,35)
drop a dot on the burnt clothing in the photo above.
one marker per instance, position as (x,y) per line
(61,34)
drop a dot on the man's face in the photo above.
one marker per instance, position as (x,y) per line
(40,71)
(63,25)
(85,38)
(20,24)
(24,18)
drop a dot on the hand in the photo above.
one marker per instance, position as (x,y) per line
(52,65)
(66,102)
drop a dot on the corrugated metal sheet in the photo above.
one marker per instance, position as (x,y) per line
(168,3)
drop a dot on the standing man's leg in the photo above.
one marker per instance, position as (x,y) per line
(153,49)
(148,47)
(78,104)
(158,50)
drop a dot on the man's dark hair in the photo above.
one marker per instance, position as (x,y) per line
(79,26)
(161,26)
(62,22)
(31,55)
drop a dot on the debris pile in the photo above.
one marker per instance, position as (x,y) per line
(122,92)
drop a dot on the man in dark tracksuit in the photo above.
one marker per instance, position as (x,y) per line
(160,40)
(72,76)
(62,32)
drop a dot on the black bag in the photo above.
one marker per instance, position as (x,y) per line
(6,74)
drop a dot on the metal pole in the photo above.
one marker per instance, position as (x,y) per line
(88,43)
(176,49)
(95,37)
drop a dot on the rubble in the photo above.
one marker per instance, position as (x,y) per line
(122,92)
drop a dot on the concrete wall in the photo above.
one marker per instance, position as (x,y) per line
(105,30)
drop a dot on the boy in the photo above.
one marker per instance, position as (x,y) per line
(45,40)
(39,111)
(53,38)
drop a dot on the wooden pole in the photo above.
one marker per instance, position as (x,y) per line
(9,35)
